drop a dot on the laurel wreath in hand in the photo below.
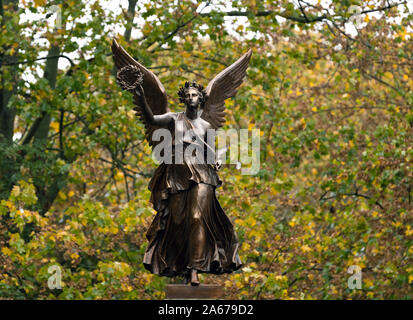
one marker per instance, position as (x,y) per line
(129,78)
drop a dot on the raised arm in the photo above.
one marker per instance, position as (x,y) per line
(162,120)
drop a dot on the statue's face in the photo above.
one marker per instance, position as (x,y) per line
(192,97)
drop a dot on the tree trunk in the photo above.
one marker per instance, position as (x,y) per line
(7,113)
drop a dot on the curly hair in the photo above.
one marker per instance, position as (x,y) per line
(193,84)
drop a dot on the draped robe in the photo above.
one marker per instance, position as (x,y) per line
(190,229)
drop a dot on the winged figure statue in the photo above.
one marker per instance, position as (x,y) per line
(190,233)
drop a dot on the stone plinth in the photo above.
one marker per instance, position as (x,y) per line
(185,291)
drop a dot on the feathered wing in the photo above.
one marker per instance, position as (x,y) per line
(155,94)
(222,87)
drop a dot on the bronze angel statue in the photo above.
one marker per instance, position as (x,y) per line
(190,233)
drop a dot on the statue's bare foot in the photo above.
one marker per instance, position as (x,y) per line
(194,278)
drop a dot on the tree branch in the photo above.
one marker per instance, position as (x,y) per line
(356,194)
(43,58)
(302,11)
(62,152)
(296,18)
(33,129)
(304,18)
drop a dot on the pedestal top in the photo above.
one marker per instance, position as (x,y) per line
(186,291)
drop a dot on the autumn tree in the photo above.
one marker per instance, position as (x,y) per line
(331,93)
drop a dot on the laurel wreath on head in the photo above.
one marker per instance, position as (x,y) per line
(129,77)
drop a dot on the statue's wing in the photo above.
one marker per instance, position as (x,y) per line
(222,87)
(155,94)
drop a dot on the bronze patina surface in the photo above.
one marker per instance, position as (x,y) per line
(191,232)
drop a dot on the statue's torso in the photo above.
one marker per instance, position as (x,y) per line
(189,131)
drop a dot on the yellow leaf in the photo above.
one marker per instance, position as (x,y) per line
(245,246)
(55,126)
(251,221)
(239,222)
(409,231)
(368,283)
(302,121)
(305,248)
(15,191)
(39,3)
(6,251)
(119,175)
(74,256)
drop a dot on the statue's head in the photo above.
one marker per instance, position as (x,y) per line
(192,94)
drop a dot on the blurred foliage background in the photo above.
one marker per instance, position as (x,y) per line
(333,103)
